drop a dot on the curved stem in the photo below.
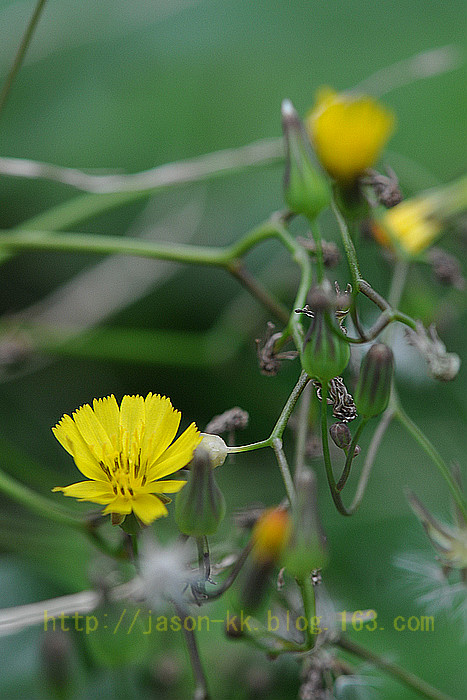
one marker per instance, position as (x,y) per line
(406,677)
(284,469)
(418,435)
(38,504)
(351,454)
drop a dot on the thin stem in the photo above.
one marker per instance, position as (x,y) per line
(284,469)
(205,167)
(364,476)
(413,429)
(38,504)
(349,248)
(257,290)
(201,690)
(316,233)
(406,677)
(225,585)
(370,458)
(23,47)
(286,412)
(326,453)
(302,430)
(309,610)
(17,241)
(351,454)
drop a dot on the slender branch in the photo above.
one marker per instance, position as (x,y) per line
(286,412)
(38,504)
(257,290)
(406,677)
(370,458)
(302,430)
(418,435)
(307,592)
(285,470)
(225,585)
(199,169)
(351,454)
(23,47)
(201,690)
(349,248)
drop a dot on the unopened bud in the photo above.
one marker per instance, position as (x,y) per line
(215,447)
(306,550)
(374,383)
(200,505)
(306,190)
(324,355)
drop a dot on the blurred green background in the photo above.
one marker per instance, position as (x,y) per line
(124,86)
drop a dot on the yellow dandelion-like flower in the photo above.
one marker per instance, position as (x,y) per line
(348,133)
(412,225)
(125,452)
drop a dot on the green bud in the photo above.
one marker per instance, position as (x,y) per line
(324,355)
(306,550)
(306,190)
(200,505)
(374,383)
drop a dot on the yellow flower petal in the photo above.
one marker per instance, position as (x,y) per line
(95,491)
(71,439)
(118,505)
(162,422)
(132,415)
(147,508)
(170,486)
(108,415)
(177,455)
(92,432)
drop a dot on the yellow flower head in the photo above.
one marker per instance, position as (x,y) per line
(348,133)
(125,451)
(411,225)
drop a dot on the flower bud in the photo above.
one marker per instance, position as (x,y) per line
(306,190)
(270,537)
(200,505)
(215,447)
(374,383)
(306,550)
(324,355)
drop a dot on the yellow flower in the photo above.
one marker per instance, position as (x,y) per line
(348,133)
(125,451)
(411,225)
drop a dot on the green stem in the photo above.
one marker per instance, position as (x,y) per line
(350,454)
(326,453)
(28,34)
(286,412)
(364,476)
(316,233)
(284,469)
(413,429)
(302,430)
(406,677)
(349,248)
(309,610)
(38,504)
